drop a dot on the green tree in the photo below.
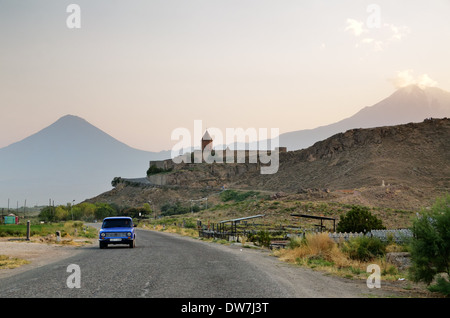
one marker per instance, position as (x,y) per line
(86,211)
(134,212)
(430,246)
(359,219)
(174,208)
(116,181)
(103,210)
(61,213)
(154,170)
(147,208)
(47,214)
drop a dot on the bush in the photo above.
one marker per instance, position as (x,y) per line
(261,237)
(135,212)
(228,195)
(116,181)
(174,208)
(294,242)
(441,286)
(364,248)
(154,170)
(430,246)
(359,219)
(318,247)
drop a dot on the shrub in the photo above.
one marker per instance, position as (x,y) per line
(174,208)
(359,219)
(430,246)
(319,245)
(294,242)
(154,170)
(228,195)
(135,212)
(261,237)
(442,286)
(318,261)
(116,181)
(319,248)
(364,248)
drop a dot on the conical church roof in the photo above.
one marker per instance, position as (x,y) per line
(206,136)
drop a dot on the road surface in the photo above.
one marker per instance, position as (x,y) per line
(164,265)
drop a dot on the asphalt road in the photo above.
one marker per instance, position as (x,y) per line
(169,266)
(160,265)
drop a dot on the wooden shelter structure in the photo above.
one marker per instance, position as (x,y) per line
(321,218)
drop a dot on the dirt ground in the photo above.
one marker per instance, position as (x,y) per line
(38,253)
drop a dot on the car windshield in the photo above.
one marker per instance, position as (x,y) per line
(116,223)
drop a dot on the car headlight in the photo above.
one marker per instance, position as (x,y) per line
(102,234)
(129,234)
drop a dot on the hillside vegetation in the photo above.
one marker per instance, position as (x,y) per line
(402,167)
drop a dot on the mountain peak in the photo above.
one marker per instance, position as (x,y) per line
(70,159)
(416,89)
(412,103)
(411,88)
(70,117)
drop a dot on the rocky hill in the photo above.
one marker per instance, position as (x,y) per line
(415,154)
(402,167)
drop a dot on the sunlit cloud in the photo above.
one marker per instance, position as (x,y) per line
(376,44)
(406,77)
(356,27)
(398,32)
(378,38)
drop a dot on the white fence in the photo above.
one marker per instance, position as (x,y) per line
(398,236)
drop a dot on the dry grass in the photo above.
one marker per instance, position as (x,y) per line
(173,229)
(320,252)
(316,246)
(11,262)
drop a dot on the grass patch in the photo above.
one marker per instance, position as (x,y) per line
(173,229)
(11,262)
(319,252)
(67,229)
(237,196)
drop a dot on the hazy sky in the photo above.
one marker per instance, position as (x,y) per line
(140,69)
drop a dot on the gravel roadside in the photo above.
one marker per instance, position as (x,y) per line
(37,253)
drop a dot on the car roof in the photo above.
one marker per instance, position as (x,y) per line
(117,217)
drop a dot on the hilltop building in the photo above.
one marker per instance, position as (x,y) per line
(207,141)
(237,160)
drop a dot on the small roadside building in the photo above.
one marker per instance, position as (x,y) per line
(11,219)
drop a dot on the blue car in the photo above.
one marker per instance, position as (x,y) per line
(117,230)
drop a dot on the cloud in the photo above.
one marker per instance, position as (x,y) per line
(406,77)
(356,27)
(378,38)
(398,32)
(377,45)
